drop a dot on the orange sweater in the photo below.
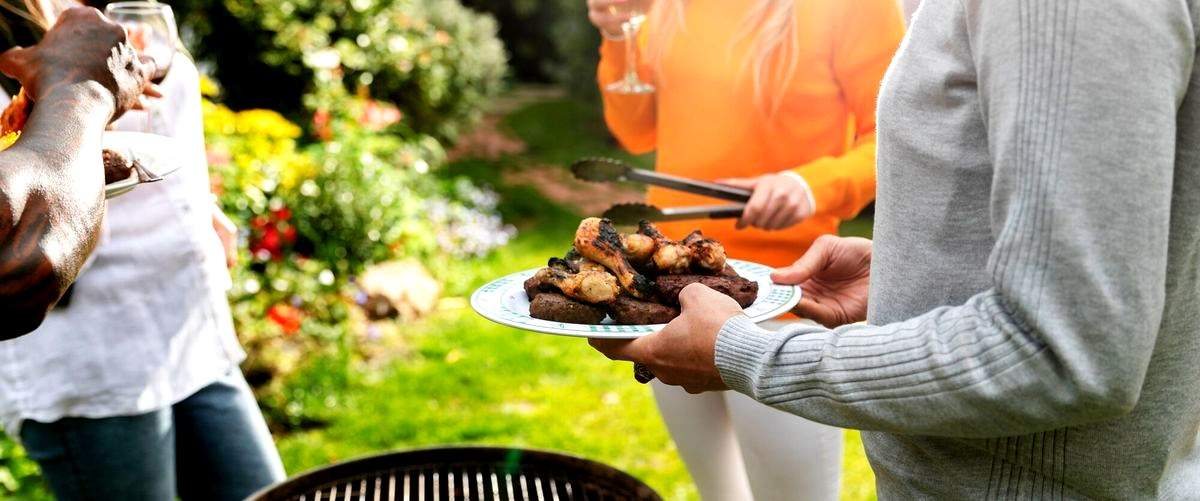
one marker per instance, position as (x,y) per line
(704,123)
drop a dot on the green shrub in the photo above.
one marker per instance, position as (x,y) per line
(438,61)
(315,216)
(20,477)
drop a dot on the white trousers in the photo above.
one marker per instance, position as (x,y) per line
(737,449)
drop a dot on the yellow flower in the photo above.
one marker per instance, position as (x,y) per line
(208,86)
(266,123)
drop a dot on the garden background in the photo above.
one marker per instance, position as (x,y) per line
(383,158)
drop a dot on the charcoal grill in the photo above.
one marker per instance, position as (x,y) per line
(463,474)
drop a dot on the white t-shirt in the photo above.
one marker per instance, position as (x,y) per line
(148,323)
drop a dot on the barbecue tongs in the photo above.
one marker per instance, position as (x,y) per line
(610,170)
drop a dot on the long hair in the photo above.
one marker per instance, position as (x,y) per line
(39,13)
(770,29)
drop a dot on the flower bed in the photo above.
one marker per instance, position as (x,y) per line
(314,217)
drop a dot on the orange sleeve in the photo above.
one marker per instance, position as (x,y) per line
(631,118)
(868,34)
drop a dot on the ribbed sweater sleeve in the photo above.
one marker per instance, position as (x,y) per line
(1079,99)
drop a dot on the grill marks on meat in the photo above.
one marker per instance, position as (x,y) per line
(649,248)
(590,286)
(669,256)
(741,290)
(559,308)
(597,240)
(598,276)
(708,255)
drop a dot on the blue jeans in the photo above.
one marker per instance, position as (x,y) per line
(213,445)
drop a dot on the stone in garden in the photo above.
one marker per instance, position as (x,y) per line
(399,288)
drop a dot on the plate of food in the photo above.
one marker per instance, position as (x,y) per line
(133,158)
(626,285)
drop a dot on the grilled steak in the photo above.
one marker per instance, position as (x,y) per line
(534,286)
(741,290)
(556,307)
(629,311)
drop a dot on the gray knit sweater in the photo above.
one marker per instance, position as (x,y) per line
(1035,288)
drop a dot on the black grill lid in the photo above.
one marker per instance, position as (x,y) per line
(463,474)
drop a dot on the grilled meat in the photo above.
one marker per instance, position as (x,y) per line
(741,290)
(629,311)
(638,248)
(535,285)
(559,308)
(590,286)
(708,255)
(597,240)
(13,118)
(669,256)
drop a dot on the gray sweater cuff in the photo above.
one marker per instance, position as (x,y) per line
(741,348)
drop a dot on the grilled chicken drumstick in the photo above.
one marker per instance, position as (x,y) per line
(708,255)
(590,285)
(669,256)
(596,239)
(638,248)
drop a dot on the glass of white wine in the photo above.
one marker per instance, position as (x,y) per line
(151,30)
(631,83)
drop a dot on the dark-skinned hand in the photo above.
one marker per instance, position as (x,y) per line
(82,46)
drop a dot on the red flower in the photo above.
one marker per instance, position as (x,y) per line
(321,128)
(282,214)
(288,318)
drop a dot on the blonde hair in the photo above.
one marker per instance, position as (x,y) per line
(769,27)
(38,12)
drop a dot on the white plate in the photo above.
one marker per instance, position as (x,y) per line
(152,151)
(504,301)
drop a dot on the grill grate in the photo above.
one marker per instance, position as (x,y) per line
(463,474)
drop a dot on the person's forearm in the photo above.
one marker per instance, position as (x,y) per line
(51,202)
(957,371)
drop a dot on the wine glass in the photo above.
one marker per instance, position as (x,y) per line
(151,30)
(631,84)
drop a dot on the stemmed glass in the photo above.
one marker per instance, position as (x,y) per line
(631,84)
(151,30)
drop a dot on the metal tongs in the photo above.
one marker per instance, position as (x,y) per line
(610,170)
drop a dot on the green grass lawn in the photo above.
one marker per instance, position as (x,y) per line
(465,380)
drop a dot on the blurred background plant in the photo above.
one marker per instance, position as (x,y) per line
(315,215)
(435,60)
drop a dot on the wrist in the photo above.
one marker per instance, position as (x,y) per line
(89,97)
(738,352)
(808,192)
